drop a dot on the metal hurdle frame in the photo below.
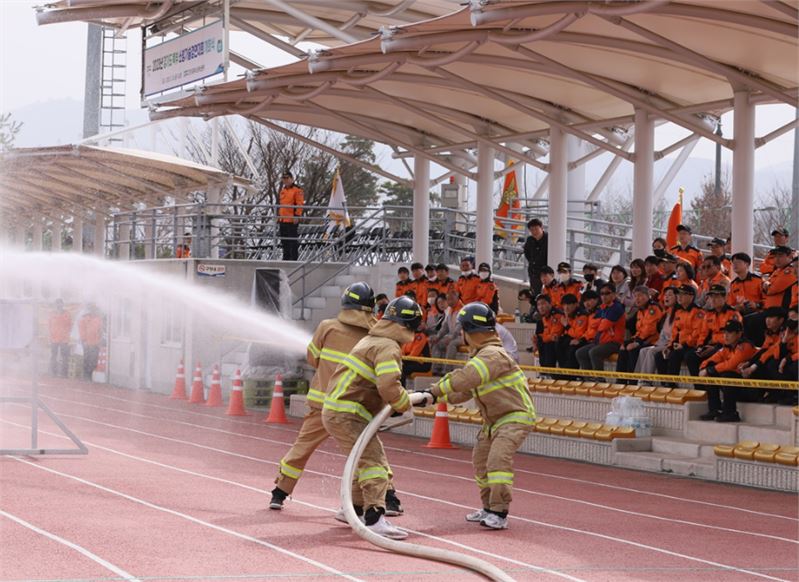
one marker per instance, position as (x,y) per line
(33,399)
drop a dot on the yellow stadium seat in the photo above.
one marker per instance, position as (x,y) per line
(677,396)
(554,388)
(613,358)
(613,391)
(787,456)
(695,396)
(602,385)
(659,395)
(629,391)
(643,392)
(560,426)
(583,389)
(723,450)
(421,374)
(463,349)
(605,433)
(544,424)
(765,453)
(573,430)
(458,413)
(475,416)
(624,432)
(562,382)
(505,317)
(597,391)
(795,410)
(567,389)
(590,430)
(547,381)
(745,450)
(576,383)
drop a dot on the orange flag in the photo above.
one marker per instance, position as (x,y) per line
(674,221)
(508,203)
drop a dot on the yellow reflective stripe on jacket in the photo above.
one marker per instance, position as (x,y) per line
(517,417)
(507,381)
(348,406)
(402,401)
(445,385)
(342,384)
(481,482)
(333,356)
(481,368)
(377,472)
(387,367)
(356,365)
(315,395)
(313,349)
(289,471)
(499,478)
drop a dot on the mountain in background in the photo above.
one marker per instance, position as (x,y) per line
(60,121)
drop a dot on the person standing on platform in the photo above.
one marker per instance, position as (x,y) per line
(291,199)
(90,331)
(60,326)
(535,251)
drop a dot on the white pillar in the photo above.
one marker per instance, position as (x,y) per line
(558,171)
(215,136)
(77,234)
(421,210)
(19,235)
(100,224)
(213,198)
(148,237)
(484,210)
(575,191)
(125,233)
(57,236)
(38,232)
(743,173)
(643,183)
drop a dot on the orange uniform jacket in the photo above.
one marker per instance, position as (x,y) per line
(728,358)
(767,266)
(591,327)
(402,287)
(646,323)
(794,296)
(487,293)
(770,348)
(90,329)
(418,347)
(689,254)
(684,328)
(467,288)
(710,325)
(443,287)
(420,286)
(750,288)
(577,325)
(790,348)
(553,326)
(779,284)
(726,266)
(669,282)
(717,279)
(291,196)
(60,325)
(558,290)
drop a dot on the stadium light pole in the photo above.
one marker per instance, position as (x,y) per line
(558,205)
(643,183)
(743,173)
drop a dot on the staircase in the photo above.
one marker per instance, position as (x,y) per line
(325,302)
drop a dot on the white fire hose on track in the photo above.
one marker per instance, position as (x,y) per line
(436,554)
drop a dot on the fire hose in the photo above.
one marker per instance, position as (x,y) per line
(417,551)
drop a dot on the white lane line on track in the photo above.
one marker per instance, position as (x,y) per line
(464,478)
(453,504)
(80,549)
(192,519)
(533,567)
(460,461)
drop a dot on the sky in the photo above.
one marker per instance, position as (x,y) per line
(38,64)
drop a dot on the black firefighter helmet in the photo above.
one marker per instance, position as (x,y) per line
(405,311)
(358,296)
(477,316)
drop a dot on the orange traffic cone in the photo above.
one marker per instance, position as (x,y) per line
(440,437)
(277,411)
(236,404)
(179,391)
(197,388)
(215,392)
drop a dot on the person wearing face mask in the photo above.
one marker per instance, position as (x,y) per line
(467,283)
(564,285)
(419,283)
(592,281)
(499,389)
(486,288)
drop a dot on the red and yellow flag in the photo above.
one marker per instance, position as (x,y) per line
(508,203)
(674,221)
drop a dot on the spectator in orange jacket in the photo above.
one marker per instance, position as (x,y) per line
(777,289)
(722,402)
(780,237)
(547,332)
(60,326)
(647,319)
(486,288)
(786,367)
(709,328)
(609,331)
(183,251)
(746,288)
(467,283)
(90,331)
(291,200)
(717,250)
(761,365)
(684,250)
(404,283)
(683,333)
(443,284)
(563,285)
(575,323)
(711,275)
(418,348)
(420,283)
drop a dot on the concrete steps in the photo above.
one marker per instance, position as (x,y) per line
(660,462)
(734,432)
(676,446)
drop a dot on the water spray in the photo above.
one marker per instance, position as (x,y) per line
(436,554)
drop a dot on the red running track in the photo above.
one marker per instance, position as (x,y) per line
(176,491)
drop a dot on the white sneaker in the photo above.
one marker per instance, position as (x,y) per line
(383,527)
(477,516)
(343,518)
(493,521)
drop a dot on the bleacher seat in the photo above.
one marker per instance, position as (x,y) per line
(760,452)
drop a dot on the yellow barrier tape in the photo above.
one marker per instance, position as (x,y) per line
(737,382)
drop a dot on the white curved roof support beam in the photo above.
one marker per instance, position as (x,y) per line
(43,180)
(266,37)
(96,13)
(120,191)
(735,75)
(332,151)
(611,168)
(791,125)
(313,21)
(43,195)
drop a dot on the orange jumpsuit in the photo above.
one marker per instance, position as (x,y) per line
(689,254)
(466,286)
(711,325)
(748,289)
(646,324)
(779,283)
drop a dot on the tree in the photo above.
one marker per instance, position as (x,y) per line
(8,131)
(712,210)
(359,184)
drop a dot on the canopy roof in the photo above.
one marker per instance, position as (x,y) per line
(77,178)
(506,71)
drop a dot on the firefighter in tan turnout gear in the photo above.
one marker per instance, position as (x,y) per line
(499,389)
(331,343)
(365,381)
